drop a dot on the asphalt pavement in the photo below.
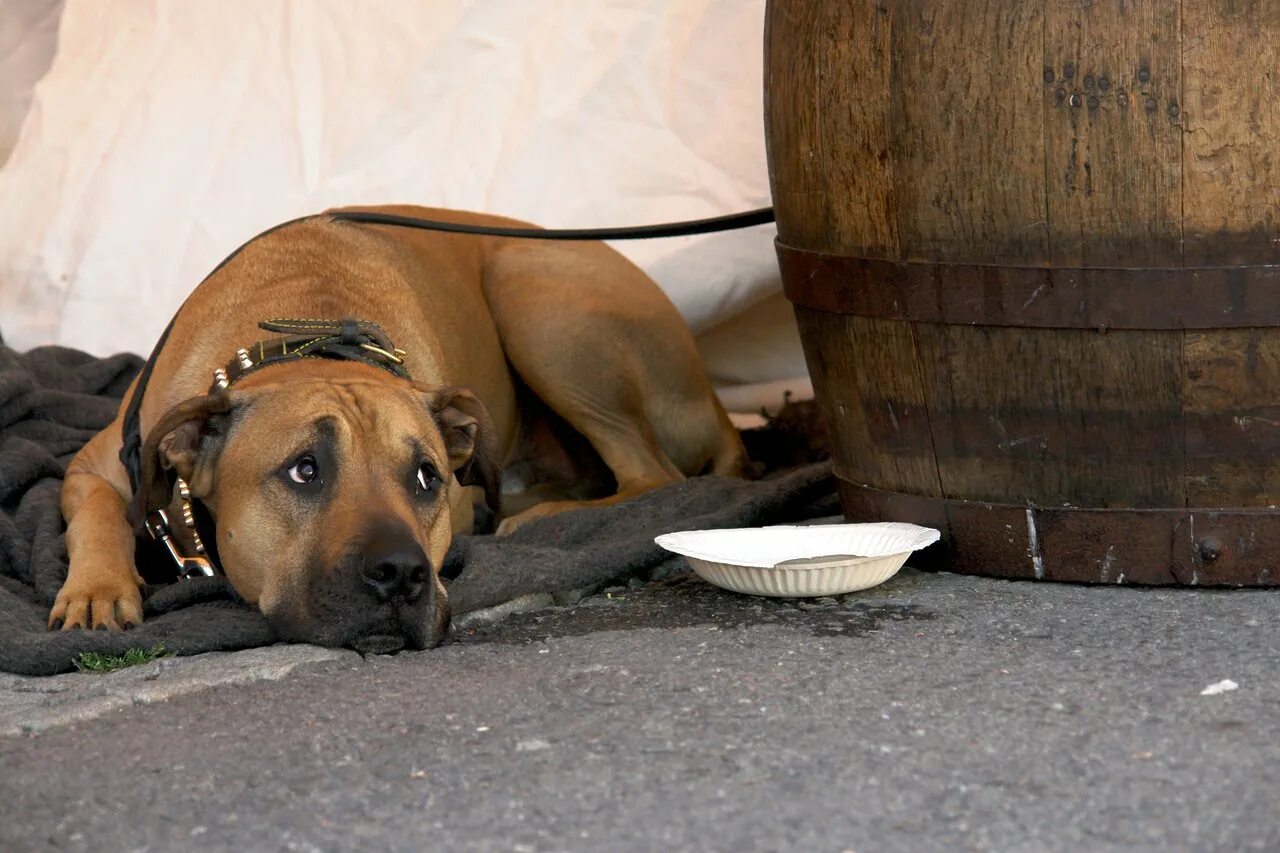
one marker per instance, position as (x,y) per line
(936,712)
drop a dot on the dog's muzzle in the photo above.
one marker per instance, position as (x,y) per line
(395,572)
(380,598)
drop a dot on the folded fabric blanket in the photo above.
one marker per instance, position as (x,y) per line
(53,400)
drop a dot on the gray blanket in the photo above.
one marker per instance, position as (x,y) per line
(52,400)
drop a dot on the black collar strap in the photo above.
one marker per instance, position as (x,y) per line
(347,339)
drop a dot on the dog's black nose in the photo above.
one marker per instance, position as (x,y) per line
(399,573)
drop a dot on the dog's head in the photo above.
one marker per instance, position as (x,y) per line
(330,487)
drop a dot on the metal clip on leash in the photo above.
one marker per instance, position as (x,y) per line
(188,567)
(198,566)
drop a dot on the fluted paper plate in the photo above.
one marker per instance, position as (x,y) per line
(800,562)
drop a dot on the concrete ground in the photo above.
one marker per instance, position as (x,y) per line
(936,712)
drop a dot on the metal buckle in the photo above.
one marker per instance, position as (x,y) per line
(188,567)
(396,357)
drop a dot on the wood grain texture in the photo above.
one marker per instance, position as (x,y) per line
(1231,192)
(834,188)
(1055,416)
(872,400)
(794,138)
(853,52)
(1231,80)
(968,164)
(1113,152)
(1233,418)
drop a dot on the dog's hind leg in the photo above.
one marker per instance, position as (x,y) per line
(102,589)
(597,341)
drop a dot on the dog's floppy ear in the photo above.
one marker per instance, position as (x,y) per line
(470,439)
(186,440)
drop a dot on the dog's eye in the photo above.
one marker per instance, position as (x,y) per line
(305,470)
(428,479)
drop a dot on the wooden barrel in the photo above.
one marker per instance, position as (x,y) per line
(1033,251)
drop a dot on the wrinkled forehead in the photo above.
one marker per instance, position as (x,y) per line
(352,416)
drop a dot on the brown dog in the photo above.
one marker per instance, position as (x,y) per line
(334,484)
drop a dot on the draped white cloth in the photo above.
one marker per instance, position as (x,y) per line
(164,134)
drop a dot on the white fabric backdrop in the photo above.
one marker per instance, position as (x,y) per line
(28,38)
(164,134)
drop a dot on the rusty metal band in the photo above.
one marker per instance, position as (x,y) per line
(1182,546)
(1033,297)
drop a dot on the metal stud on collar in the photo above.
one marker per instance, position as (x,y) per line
(243,355)
(188,519)
(395,357)
(220,379)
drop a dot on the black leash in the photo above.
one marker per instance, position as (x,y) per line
(131,446)
(733,221)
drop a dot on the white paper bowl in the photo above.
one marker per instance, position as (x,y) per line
(801,562)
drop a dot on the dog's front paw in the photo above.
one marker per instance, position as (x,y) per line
(510,525)
(111,604)
(513,523)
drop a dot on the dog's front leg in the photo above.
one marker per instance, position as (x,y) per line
(102,589)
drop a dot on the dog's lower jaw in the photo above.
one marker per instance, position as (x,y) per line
(418,629)
(378,644)
(414,636)
(398,627)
